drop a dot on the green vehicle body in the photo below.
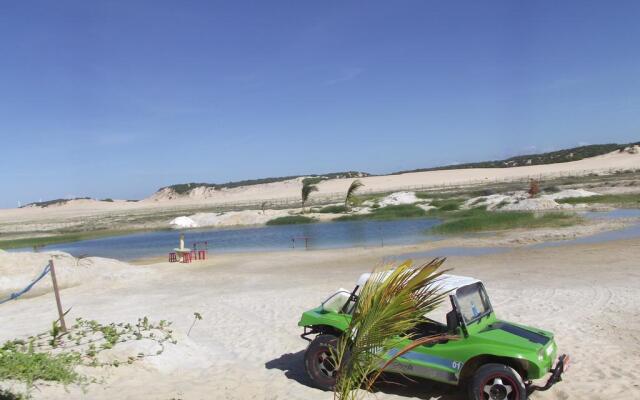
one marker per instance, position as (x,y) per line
(486,339)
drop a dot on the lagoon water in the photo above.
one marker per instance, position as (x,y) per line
(629,232)
(265,238)
(320,236)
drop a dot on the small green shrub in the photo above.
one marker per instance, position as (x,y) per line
(333,209)
(551,189)
(488,192)
(290,220)
(7,395)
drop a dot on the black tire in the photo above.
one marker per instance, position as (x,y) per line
(319,363)
(497,382)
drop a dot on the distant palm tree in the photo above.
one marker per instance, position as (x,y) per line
(351,193)
(393,301)
(307,188)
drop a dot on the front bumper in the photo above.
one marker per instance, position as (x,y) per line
(556,375)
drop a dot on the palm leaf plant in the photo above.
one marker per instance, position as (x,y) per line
(307,189)
(393,301)
(351,193)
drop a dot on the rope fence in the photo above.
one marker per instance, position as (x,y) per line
(15,295)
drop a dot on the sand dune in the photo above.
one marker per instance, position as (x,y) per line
(247,346)
(85,214)
(291,188)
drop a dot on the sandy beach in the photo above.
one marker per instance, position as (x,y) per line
(247,345)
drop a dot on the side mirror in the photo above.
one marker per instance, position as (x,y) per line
(452,321)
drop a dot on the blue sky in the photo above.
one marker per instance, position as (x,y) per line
(118,98)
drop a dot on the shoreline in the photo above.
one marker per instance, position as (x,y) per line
(508,239)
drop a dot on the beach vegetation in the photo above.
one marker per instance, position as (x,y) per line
(534,188)
(334,209)
(313,180)
(559,156)
(55,202)
(184,188)
(291,220)
(478,220)
(628,200)
(393,301)
(196,317)
(551,189)
(387,213)
(53,356)
(447,204)
(7,395)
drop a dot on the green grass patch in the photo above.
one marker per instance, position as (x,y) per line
(387,213)
(291,220)
(622,200)
(53,356)
(447,204)
(478,220)
(29,366)
(333,210)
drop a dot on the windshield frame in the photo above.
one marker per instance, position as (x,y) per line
(483,294)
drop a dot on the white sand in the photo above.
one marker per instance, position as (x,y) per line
(399,198)
(522,201)
(247,346)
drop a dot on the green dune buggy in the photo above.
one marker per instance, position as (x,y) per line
(494,359)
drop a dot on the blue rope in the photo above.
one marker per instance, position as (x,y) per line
(15,295)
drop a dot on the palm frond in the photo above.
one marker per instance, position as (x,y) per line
(307,189)
(390,305)
(355,185)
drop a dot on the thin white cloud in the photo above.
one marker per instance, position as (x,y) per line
(346,74)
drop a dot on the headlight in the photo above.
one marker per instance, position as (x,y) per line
(550,349)
(546,351)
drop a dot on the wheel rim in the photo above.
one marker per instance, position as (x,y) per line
(326,365)
(499,388)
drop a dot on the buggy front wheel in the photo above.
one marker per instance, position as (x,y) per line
(320,363)
(497,382)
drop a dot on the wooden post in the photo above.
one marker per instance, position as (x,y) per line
(63,326)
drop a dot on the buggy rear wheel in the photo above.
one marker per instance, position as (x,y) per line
(497,382)
(320,363)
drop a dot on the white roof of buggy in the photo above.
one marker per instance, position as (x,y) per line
(446,282)
(453,282)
